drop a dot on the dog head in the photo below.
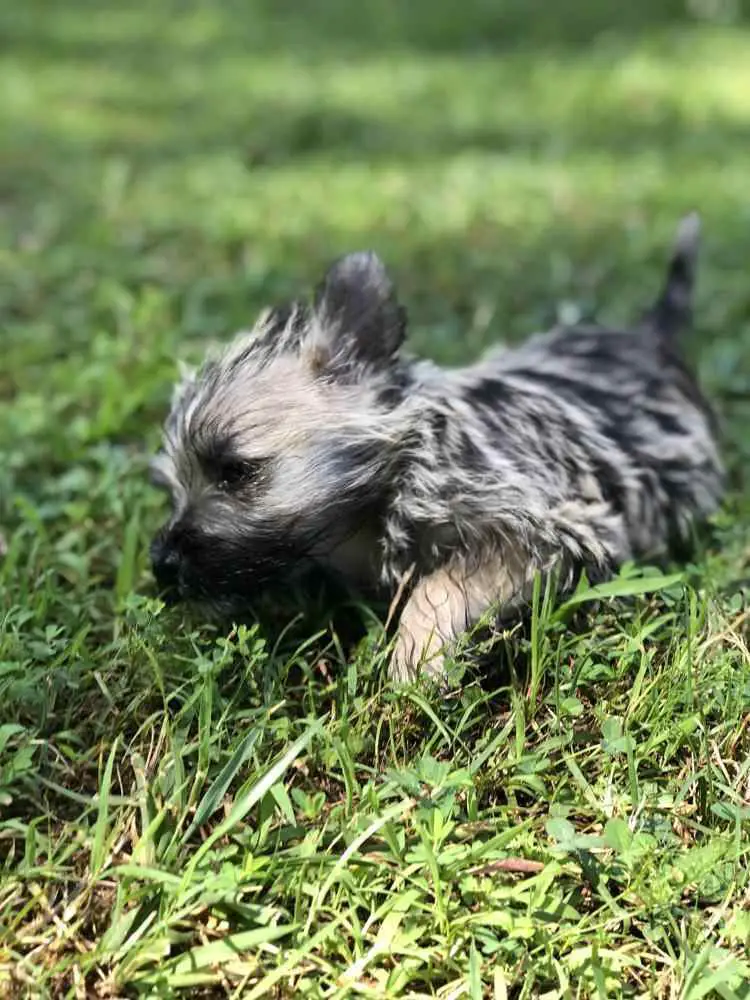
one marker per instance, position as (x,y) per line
(277,454)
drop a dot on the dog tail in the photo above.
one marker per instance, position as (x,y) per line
(673,309)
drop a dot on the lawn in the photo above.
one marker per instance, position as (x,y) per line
(190,812)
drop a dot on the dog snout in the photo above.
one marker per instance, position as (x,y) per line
(166,561)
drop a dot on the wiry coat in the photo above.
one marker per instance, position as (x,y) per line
(580,449)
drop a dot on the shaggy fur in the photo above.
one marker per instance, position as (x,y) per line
(315,445)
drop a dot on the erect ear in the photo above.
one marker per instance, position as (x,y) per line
(357,312)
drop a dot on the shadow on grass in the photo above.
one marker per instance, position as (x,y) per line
(167,80)
(148,108)
(276,133)
(89,29)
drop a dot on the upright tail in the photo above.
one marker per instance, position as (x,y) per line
(673,309)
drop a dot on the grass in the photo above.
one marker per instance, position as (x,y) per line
(193,813)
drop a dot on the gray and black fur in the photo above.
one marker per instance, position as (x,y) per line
(316,445)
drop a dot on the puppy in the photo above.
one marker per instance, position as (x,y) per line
(315,445)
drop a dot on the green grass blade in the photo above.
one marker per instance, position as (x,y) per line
(128,566)
(245,803)
(203,964)
(625,587)
(213,798)
(99,845)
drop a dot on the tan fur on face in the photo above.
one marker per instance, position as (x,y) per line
(282,406)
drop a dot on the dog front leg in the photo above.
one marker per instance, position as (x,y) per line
(444,604)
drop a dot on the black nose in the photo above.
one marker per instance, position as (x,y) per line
(165,560)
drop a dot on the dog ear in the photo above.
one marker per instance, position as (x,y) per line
(358,314)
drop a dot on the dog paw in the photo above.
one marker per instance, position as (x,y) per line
(411,659)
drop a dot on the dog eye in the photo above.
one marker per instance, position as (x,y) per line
(237,473)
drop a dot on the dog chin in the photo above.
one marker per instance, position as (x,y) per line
(287,591)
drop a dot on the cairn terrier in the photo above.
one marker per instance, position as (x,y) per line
(315,446)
